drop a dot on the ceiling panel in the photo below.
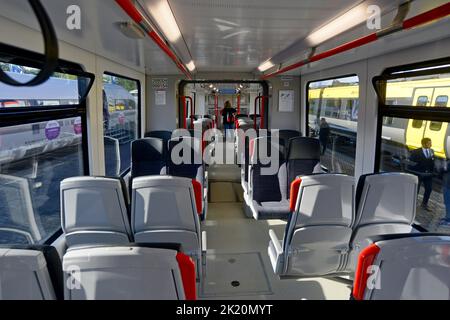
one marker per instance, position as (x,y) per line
(237,35)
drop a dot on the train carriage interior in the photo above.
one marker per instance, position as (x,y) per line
(224,150)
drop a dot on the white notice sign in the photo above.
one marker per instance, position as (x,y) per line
(286,101)
(160,97)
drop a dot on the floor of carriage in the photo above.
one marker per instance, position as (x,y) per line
(238,265)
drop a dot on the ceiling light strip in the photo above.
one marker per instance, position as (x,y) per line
(137,17)
(432,15)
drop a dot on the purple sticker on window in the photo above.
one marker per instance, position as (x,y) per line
(52,130)
(77,126)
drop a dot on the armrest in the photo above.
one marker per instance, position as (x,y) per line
(276,254)
(204,242)
(275,241)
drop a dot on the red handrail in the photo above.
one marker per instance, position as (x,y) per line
(136,16)
(239,103)
(216,109)
(419,20)
(261,111)
(185,112)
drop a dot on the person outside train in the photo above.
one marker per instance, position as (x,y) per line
(423,166)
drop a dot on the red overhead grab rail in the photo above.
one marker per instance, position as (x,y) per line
(129,7)
(185,115)
(419,20)
(262,100)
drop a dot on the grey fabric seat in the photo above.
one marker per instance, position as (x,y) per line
(19,221)
(385,204)
(405,267)
(164,210)
(94,211)
(284,137)
(189,165)
(112,157)
(303,158)
(130,272)
(266,195)
(165,135)
(30,272)
(148,157)
(316,238)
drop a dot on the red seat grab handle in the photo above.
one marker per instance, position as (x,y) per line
(187,270)
(198,195)
(365,260)
(295,187)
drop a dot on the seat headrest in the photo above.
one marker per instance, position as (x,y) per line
(325,199)
(303,148)
(161,181)
(54,265)
(386,198)
(285,135)
(161,134)
(148,149)
(109,141)
(265,142)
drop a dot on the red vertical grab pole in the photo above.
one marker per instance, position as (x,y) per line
(261,111)
(192,110)
(184,112)
(239,103)
(216,108)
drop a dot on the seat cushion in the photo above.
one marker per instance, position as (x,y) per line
(271,209)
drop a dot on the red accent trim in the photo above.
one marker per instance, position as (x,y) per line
(198,195)
(431,15)
(192,109)
(238,104)
(187,270)
(295,187)
(423,18)
(365,259)
(261,111)
(251,147)
(134,14)
(184,112)
(346,46)
(129,8)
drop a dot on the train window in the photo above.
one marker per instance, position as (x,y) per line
(422,124)
(441,101)
(40,145)
(121,114)
(32,165)
(420,90)
(61,89)
(402,151)
(417,124)
(332,117)
(422,101)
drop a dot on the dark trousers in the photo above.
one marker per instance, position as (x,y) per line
(323,144)
(428,186)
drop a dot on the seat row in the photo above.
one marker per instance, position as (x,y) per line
(331,223)
(267,176)
(153,156)
(402,266)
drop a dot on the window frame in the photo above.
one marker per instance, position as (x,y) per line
(138,107)
(23,116)
(307,103)
(438,114)
(432,113)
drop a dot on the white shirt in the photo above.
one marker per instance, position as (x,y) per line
(427,153)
